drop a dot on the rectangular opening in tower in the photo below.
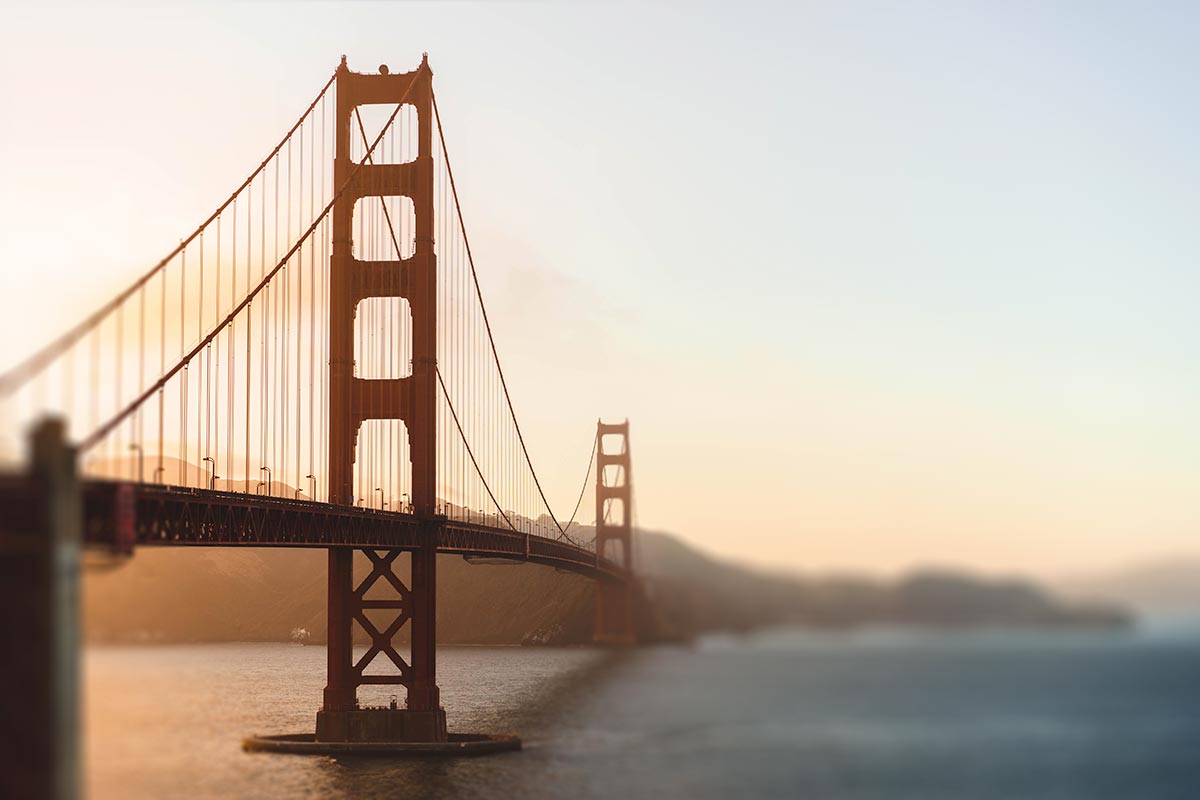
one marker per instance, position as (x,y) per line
(384,228)
(613,475)
(399,142)
(612,444)
(383,466)
(383,338)
(614,551)
(614,512)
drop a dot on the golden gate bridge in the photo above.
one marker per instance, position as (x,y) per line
(314,366)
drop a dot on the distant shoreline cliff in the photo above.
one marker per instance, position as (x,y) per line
(174,595)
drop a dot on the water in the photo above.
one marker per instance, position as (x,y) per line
(786,715)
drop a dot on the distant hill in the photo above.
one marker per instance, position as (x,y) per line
(694,592)
(265,594)
(273,594)
(1162,587)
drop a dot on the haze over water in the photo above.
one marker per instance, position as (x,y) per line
(858,715)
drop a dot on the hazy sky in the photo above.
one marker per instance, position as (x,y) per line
(878,285)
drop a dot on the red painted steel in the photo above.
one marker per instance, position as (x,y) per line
(181,516)
(614,537)
(122,515)
(184,516)
(412,399)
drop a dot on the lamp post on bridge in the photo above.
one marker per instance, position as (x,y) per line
(212,482)
(140,473)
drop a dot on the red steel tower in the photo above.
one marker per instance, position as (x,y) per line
(614,533)
(412,399)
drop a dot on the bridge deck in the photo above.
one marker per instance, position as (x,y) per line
(123,515)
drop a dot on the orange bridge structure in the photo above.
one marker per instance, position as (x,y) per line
(313,366)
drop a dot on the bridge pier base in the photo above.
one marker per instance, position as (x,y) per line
(614,615)
(343,726)
(412,603)
(381,725)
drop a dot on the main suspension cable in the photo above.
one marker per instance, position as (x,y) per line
(470,453)
(104,430)
(487,324)
(582,489)
(445,392)
(19,374)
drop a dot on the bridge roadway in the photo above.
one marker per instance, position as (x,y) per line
(122,515)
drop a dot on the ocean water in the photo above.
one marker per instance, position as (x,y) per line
(874,714)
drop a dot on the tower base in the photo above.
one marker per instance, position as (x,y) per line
(456,745)
(381,725)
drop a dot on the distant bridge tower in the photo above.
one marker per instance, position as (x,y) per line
(412,399)
(614,533)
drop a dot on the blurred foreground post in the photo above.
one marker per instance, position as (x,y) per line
(40,541)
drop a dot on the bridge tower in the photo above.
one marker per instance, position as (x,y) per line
(412,399)
(614,533)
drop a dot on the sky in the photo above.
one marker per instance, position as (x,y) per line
(878,285)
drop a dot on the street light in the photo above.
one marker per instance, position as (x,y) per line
(212,482)
(138,447)
(381,503)
(312,494)
(268,481)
